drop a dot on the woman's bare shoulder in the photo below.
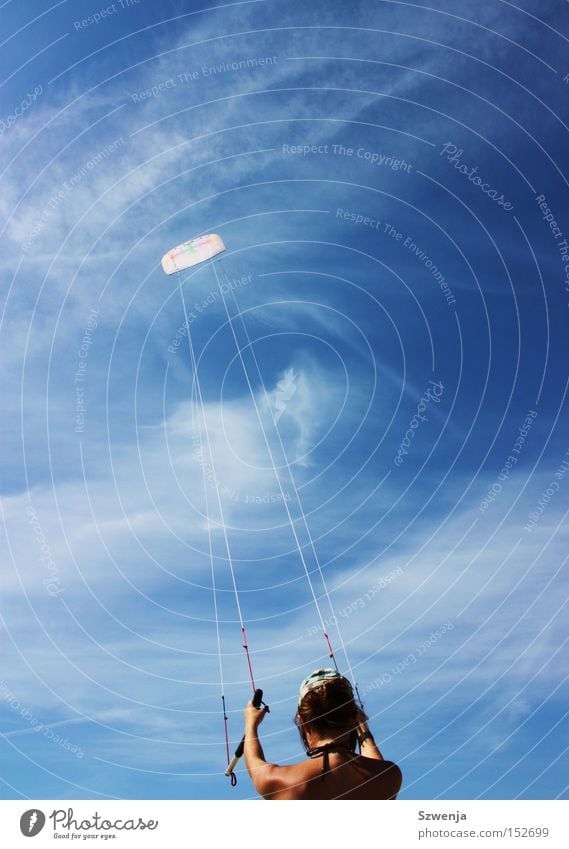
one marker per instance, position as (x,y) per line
(388,777)
(294,781)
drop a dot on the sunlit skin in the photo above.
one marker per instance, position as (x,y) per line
(350,776)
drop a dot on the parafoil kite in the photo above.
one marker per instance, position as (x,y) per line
(192,252)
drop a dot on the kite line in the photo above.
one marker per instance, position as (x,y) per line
(184,256)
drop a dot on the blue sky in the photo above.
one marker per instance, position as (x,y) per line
(385,177)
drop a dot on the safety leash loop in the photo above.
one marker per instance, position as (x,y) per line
(233,777)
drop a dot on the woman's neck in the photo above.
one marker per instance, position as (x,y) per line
(342,741)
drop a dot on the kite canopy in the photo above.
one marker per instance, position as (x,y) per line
(192,253)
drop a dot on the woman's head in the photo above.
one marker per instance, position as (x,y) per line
(326,708)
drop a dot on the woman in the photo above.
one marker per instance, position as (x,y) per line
(330,725)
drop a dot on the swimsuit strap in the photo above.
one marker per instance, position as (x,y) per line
(325,752)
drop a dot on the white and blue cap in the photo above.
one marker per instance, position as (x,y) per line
(319,676)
